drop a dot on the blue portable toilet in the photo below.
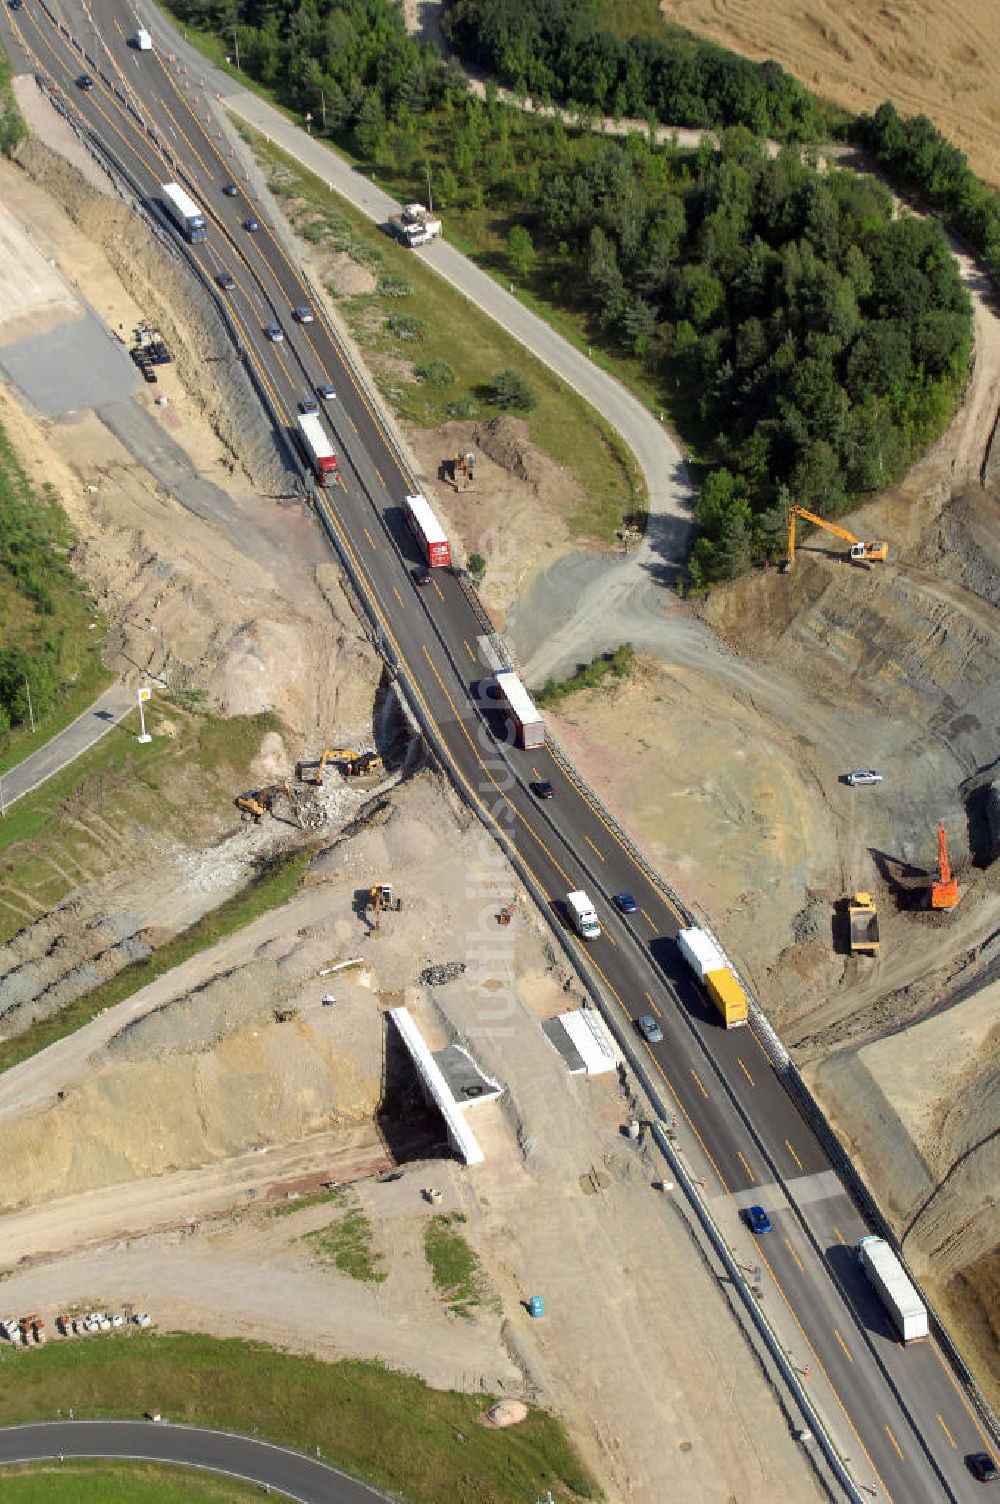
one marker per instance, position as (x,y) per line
(536,1306)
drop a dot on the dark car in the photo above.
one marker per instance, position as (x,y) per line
(757,1220)
(625,903)
(85,82)
(251,224)
(302,314)
(275,333)
(308,405)
(326,391)
(542,789)
(421,577)
(226,281)
(230,190)
(982,1467)
(15,4)
(650,1029)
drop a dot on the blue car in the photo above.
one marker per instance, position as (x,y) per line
(625,903)
(757,1220)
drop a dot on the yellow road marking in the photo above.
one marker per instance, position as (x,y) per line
(946,1431)
(379,474)
(793,1154)
(649,1000)
(396,593)
(843,1344)
(437,587)
(534,772)
(593,847)
(645,916)
(987,1441)
(795,1256)
(371,540)
(743,1068)
(468,650)
(702,1089)
(894,1442)
(739,1154)
(840,1237)
(819,1364)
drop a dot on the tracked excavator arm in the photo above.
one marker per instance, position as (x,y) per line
(860,551)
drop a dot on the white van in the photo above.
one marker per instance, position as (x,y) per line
(143,40)
(583,915)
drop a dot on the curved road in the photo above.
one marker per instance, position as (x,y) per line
(274,1468)
(902,1416)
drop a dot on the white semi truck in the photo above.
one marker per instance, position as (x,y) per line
(583,915)
(894,1287)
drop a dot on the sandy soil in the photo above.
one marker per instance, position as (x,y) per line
(649,1393)
(929,59)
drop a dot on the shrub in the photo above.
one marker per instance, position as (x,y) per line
(512,391)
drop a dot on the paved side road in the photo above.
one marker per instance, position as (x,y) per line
(271,1467)
(78,737)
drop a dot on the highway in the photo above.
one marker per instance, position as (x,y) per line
(272,1468)
(901,1416)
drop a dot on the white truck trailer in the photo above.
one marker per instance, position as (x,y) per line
(711,967)
(415,226)
(184,212)
(894,1287)
(529,728)
(583,915)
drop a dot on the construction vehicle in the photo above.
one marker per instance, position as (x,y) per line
(330,754)
(460,470)
(507,913)
(861,553)
(380,899)
(414,225)
(262,802)
(863,917)
(363,765)
(943,893)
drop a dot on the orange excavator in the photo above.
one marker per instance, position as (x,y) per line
(861,553)
(944,888)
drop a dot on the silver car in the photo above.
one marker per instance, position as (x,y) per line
(863,775)
(650,1029)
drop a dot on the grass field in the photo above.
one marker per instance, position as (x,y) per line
(82,1482)
(387,1428)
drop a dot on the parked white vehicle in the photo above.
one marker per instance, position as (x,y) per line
(142,1318)
(863,775)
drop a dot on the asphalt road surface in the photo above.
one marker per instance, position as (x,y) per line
(79,736)
(901,1416)
(273,1468)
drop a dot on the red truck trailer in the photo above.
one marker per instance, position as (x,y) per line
(516,701)
(318,449)
(428,531)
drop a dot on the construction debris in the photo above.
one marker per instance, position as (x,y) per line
(438,976)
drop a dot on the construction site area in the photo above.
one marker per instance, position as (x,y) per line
(809,755)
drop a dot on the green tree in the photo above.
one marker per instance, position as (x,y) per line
(520,251)
(509,389)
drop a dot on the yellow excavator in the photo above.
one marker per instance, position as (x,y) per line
(380,897)
(330,754)
(263,801)
(363,765)
(861,553)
